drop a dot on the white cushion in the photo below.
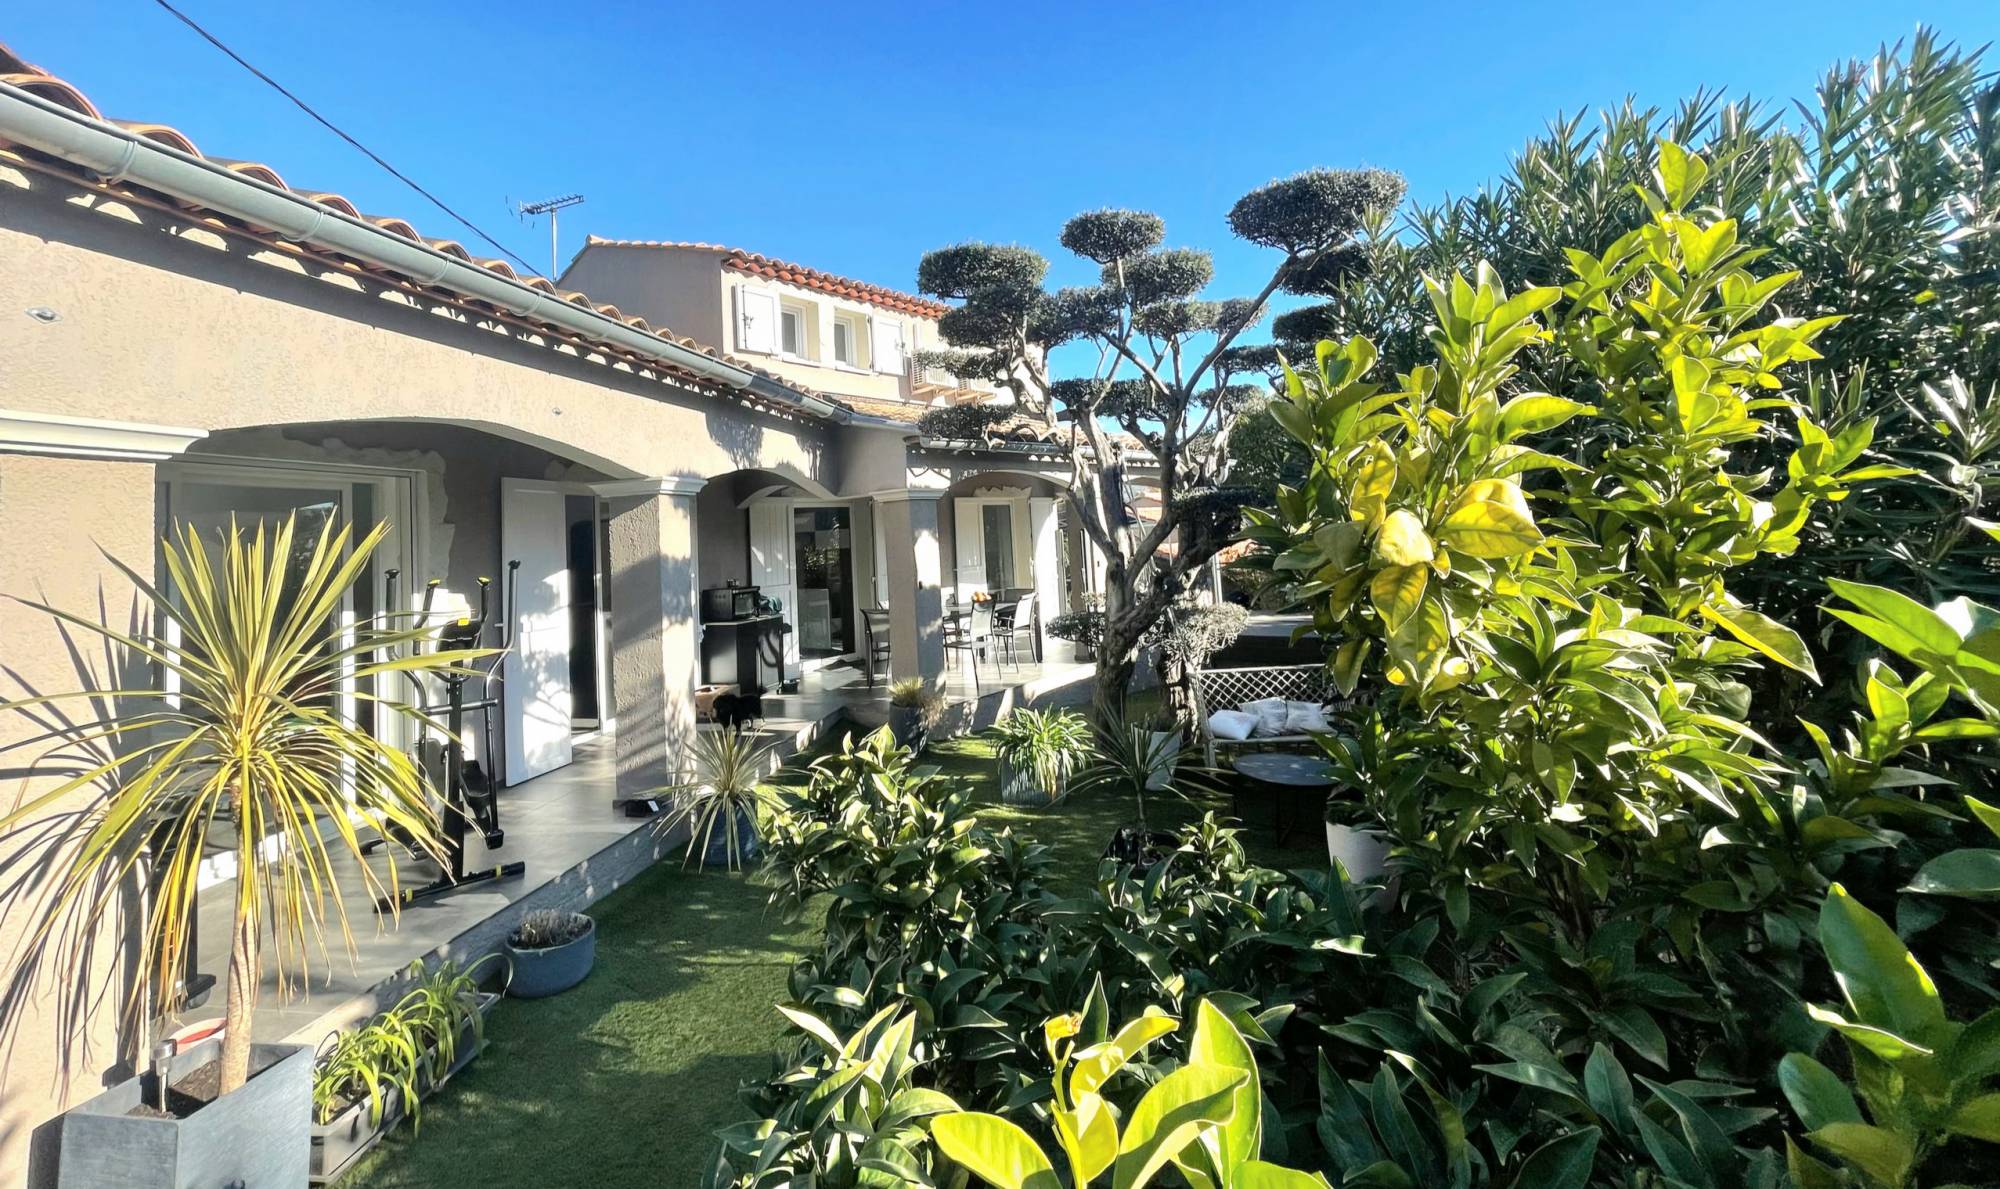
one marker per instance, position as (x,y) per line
(1270,714)
(1304,717)
(1231,724)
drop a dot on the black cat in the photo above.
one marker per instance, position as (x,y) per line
(736,711)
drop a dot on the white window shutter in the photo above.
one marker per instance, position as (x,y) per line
(969,547)
(756,320)
(888,336)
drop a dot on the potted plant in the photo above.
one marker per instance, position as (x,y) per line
(368,1079)
(1039,750)
(1373,769)
(246,741)
(550,951)
(1136,757)
(914,708)
(720,801)
(1083,629)
(1187,636)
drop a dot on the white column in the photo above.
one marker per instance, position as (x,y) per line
(655,637)
(1045,533)
(909,520)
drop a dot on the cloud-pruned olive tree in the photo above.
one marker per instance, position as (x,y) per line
(1166,385)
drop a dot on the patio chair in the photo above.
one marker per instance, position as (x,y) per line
(874,639)
(970,630)
(1009,621)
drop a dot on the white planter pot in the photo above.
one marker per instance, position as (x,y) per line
(1363,854)
(1162,774)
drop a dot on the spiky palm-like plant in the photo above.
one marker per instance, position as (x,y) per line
(243,738)
(724,789)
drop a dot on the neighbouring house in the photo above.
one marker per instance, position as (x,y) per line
(190,338)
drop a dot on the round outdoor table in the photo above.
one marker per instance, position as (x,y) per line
(1287,776)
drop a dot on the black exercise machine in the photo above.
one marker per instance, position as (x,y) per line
(470,790)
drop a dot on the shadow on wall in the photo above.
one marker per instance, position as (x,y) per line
(81,967)
(739,434)
(653,601)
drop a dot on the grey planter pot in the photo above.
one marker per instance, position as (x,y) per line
(337,1145)
(258,1136)
(540,973)
(906,723)
(1018,787)
(749,847)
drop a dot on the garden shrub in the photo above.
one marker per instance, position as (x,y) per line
(1664,910)
(1606,836)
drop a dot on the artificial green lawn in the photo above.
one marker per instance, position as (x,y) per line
(624,1080)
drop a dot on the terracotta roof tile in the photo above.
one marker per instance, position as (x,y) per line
(16,71)
(804,277)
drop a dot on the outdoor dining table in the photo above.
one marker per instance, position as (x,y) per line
(1289,777)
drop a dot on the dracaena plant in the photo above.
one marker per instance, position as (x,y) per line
(241,740)
(1204,1120)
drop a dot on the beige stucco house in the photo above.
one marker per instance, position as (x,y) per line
(856,342)
(191,338)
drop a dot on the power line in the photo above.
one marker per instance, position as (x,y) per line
(330,126)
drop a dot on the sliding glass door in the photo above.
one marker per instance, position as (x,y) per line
(823,549)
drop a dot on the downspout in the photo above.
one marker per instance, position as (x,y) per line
(116,155)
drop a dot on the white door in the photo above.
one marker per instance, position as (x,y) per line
(534,530)
(771,567)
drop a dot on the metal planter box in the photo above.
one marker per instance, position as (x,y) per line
(338,1145)
(257,1136)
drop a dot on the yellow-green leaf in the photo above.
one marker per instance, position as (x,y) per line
(1403,541)
(1347,661)
(995,1150)
(1397,592)
(1489,528)
(1259,1175)
(1374,479)
(1170,1117)
(1217,1043)
(1535,412)
(1764,634)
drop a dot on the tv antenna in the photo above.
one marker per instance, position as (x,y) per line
(549,207)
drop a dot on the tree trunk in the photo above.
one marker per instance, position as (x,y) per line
(1118,654)
(242,993)
(1177,689)
(1114,677)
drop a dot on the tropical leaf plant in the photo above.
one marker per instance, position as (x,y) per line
(1203,1119)
(1926,1080)
(242,740)
(847,1112)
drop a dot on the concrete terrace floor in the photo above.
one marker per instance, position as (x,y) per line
(624,1080)
(577,846)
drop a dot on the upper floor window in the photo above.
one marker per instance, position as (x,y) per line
(847,339)
(792,330)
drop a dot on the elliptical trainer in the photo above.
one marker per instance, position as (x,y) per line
(470,790)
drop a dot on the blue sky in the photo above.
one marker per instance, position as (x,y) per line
(854,137)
